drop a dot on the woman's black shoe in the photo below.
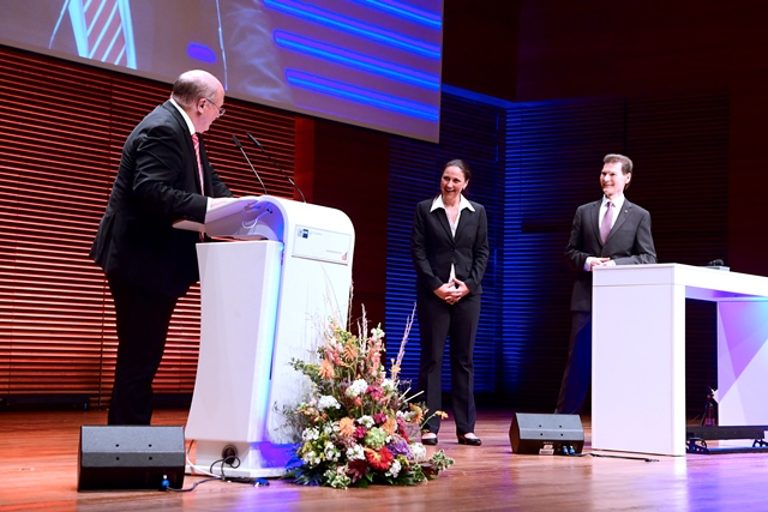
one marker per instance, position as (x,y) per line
(429,439)
(471,441)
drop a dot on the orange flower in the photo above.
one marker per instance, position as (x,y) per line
(350,352)
(390,426)
(346,426)
(326,369)
(418,413)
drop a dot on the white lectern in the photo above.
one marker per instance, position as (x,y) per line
(638,353)
(265,299)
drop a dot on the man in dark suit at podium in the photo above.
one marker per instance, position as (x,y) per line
(164,176)
(608,232)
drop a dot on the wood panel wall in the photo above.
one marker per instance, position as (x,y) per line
(60,141)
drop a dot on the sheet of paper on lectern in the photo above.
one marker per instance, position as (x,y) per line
(222,207)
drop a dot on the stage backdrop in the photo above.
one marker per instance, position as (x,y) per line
(534,163)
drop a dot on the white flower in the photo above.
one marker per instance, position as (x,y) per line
(409,416)
(355,452)
(357,388)
(331,428)
(310,434)
(419,452)
(394,469)
(327,401)
(330,451)
(388,385)
(377,333)
(311,459)
(366,421)
(338,478)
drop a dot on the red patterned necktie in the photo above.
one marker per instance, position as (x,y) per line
(196,142)
(106,40)
(605,226)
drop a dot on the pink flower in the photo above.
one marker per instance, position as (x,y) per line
(379,418)
(332,354)
(360,432)
(402,431)
(374,358)
(376,392)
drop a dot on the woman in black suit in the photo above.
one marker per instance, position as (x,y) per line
(450,252)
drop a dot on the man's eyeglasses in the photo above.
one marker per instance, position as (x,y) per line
(220,110)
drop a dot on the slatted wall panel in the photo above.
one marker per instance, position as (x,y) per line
(60,140)
(468,131)
(554,155)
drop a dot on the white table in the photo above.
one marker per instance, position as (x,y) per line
(638,353)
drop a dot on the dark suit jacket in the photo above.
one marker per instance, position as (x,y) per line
(156,185)
(434,248)
(629,243)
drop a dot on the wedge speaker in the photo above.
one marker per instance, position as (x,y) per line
(559,434)
(130,457)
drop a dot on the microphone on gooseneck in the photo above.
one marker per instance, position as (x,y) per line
(240,147)
(276,165)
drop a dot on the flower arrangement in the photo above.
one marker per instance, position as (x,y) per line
(358,427)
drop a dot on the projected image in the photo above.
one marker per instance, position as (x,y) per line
(374,63)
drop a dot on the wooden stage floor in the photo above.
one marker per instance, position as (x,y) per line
(38,465)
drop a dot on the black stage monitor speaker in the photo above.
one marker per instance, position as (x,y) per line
(130,457)
(559,434)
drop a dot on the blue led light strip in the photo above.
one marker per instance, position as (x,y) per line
(352,26)
(355,60)
(427,18)
(362,96)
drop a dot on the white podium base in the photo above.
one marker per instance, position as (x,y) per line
(196,469)
(257,460)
